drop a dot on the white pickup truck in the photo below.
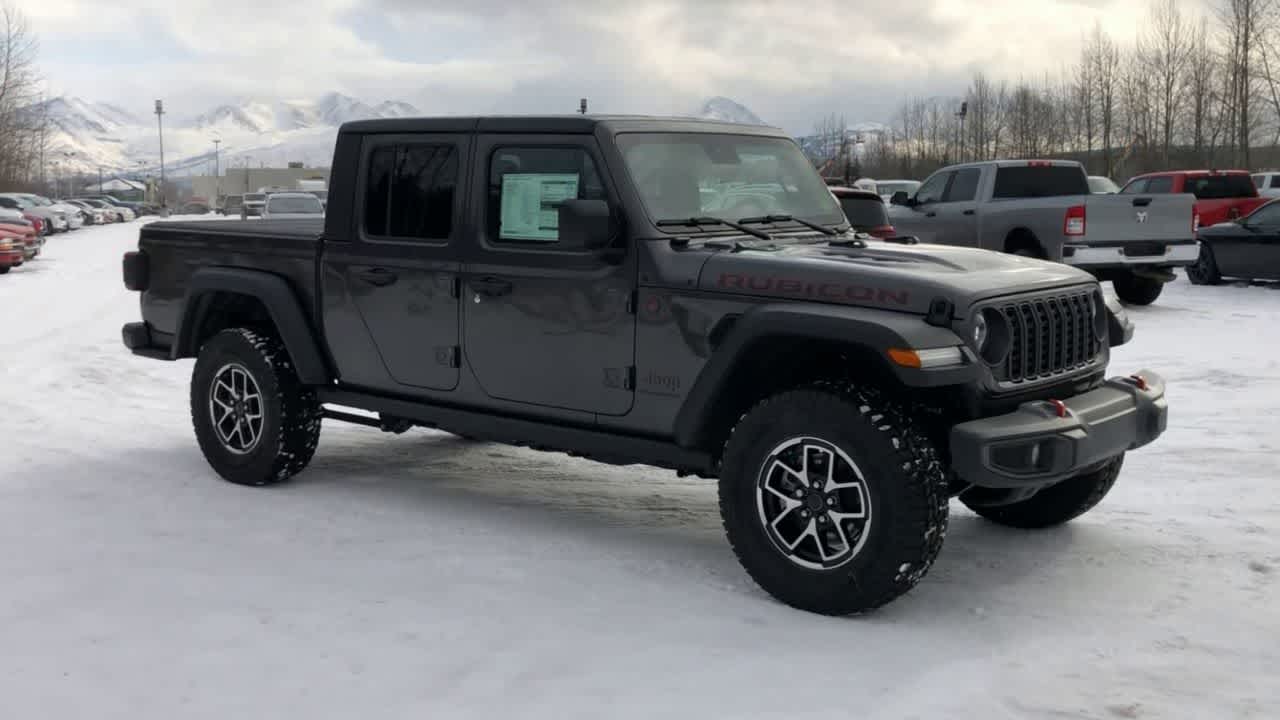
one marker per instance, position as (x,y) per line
(1043,208)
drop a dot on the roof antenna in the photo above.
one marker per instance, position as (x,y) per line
(582,106)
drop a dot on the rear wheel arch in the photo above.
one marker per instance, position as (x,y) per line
(221,298)
(1022,241)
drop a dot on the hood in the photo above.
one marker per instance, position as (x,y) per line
(883,275)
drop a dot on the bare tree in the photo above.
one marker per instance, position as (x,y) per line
(19,84)
(1164,50)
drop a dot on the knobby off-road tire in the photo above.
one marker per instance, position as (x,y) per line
(1056,504)
(901,495)
(1205,269)
(274,435)
(1136,290)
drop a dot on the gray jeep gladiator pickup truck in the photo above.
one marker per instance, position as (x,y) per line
(1043,208)
(677,293)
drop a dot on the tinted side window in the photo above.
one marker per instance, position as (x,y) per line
(1136,187)
(1266,216)
(964,187)
(932,189)
(526,187)
(1213,187)
(1160,185)
(1275,181)
(1033,181)
(409,191)
(864,212)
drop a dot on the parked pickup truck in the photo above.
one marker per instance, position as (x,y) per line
(614,289)
(1044,209)
(1221,195)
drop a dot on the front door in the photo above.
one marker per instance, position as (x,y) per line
(920,218)
(396,280)
(957,214)
(1255,253)
(545,324)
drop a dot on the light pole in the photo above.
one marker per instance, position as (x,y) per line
(68,154)
(964,110)
(160,129)
(217,174)
(100,190)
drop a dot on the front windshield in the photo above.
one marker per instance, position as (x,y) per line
(730,177)
(21,202)
(1102,185)
(254,197)
(294,204)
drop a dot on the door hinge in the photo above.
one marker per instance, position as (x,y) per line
(632,300)
(629,383)
(455,287)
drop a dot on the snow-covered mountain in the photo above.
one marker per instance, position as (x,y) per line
(87,135)
(726,110)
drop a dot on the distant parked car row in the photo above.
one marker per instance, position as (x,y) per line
(289,204)
(27,219)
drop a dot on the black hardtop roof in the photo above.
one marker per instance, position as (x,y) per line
(562,124)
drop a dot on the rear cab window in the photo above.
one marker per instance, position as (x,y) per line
(864,211)
(1037,181)
(1217,187)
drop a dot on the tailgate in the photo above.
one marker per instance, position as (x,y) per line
(1142,218)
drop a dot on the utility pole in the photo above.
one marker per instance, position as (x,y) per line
(217,175)
(160,129)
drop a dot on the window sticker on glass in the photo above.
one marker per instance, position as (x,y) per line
(531,204)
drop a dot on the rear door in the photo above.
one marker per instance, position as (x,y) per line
(399,269)
(545,324)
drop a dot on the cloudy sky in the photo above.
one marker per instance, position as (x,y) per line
(790,62)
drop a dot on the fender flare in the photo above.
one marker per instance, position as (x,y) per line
(281,302)
(871,330)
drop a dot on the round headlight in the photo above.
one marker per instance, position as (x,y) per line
(992,335)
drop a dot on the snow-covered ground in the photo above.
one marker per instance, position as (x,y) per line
(420,576)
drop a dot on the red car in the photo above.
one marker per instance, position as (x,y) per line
(1221,195)
(10,254)
(37,222)
(24,236)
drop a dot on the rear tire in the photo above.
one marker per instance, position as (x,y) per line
(1055,504)
(862,468)
(1137,290)
(1205,269)
(4,269)
(256,423)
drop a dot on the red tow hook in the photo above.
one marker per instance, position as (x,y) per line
(1140,381)
(1060,407)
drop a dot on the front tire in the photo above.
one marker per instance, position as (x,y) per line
(256,423)
(1205,270)
(1055,504)
(1136,290)
(833,498)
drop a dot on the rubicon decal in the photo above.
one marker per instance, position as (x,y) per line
(833,291)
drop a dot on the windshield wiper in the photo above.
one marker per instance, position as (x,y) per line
(698,221)
(790,218)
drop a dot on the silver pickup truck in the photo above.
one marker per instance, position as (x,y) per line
(1043,208)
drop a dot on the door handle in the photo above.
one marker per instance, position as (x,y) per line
(931,214)
(967,212)
(490,287)
(381,277)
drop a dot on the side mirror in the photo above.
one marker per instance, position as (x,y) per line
(585,224)
(900,198)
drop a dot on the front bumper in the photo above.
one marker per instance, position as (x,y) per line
(1169,254)
(1040,443)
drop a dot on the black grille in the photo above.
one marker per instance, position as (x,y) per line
(1052,336)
